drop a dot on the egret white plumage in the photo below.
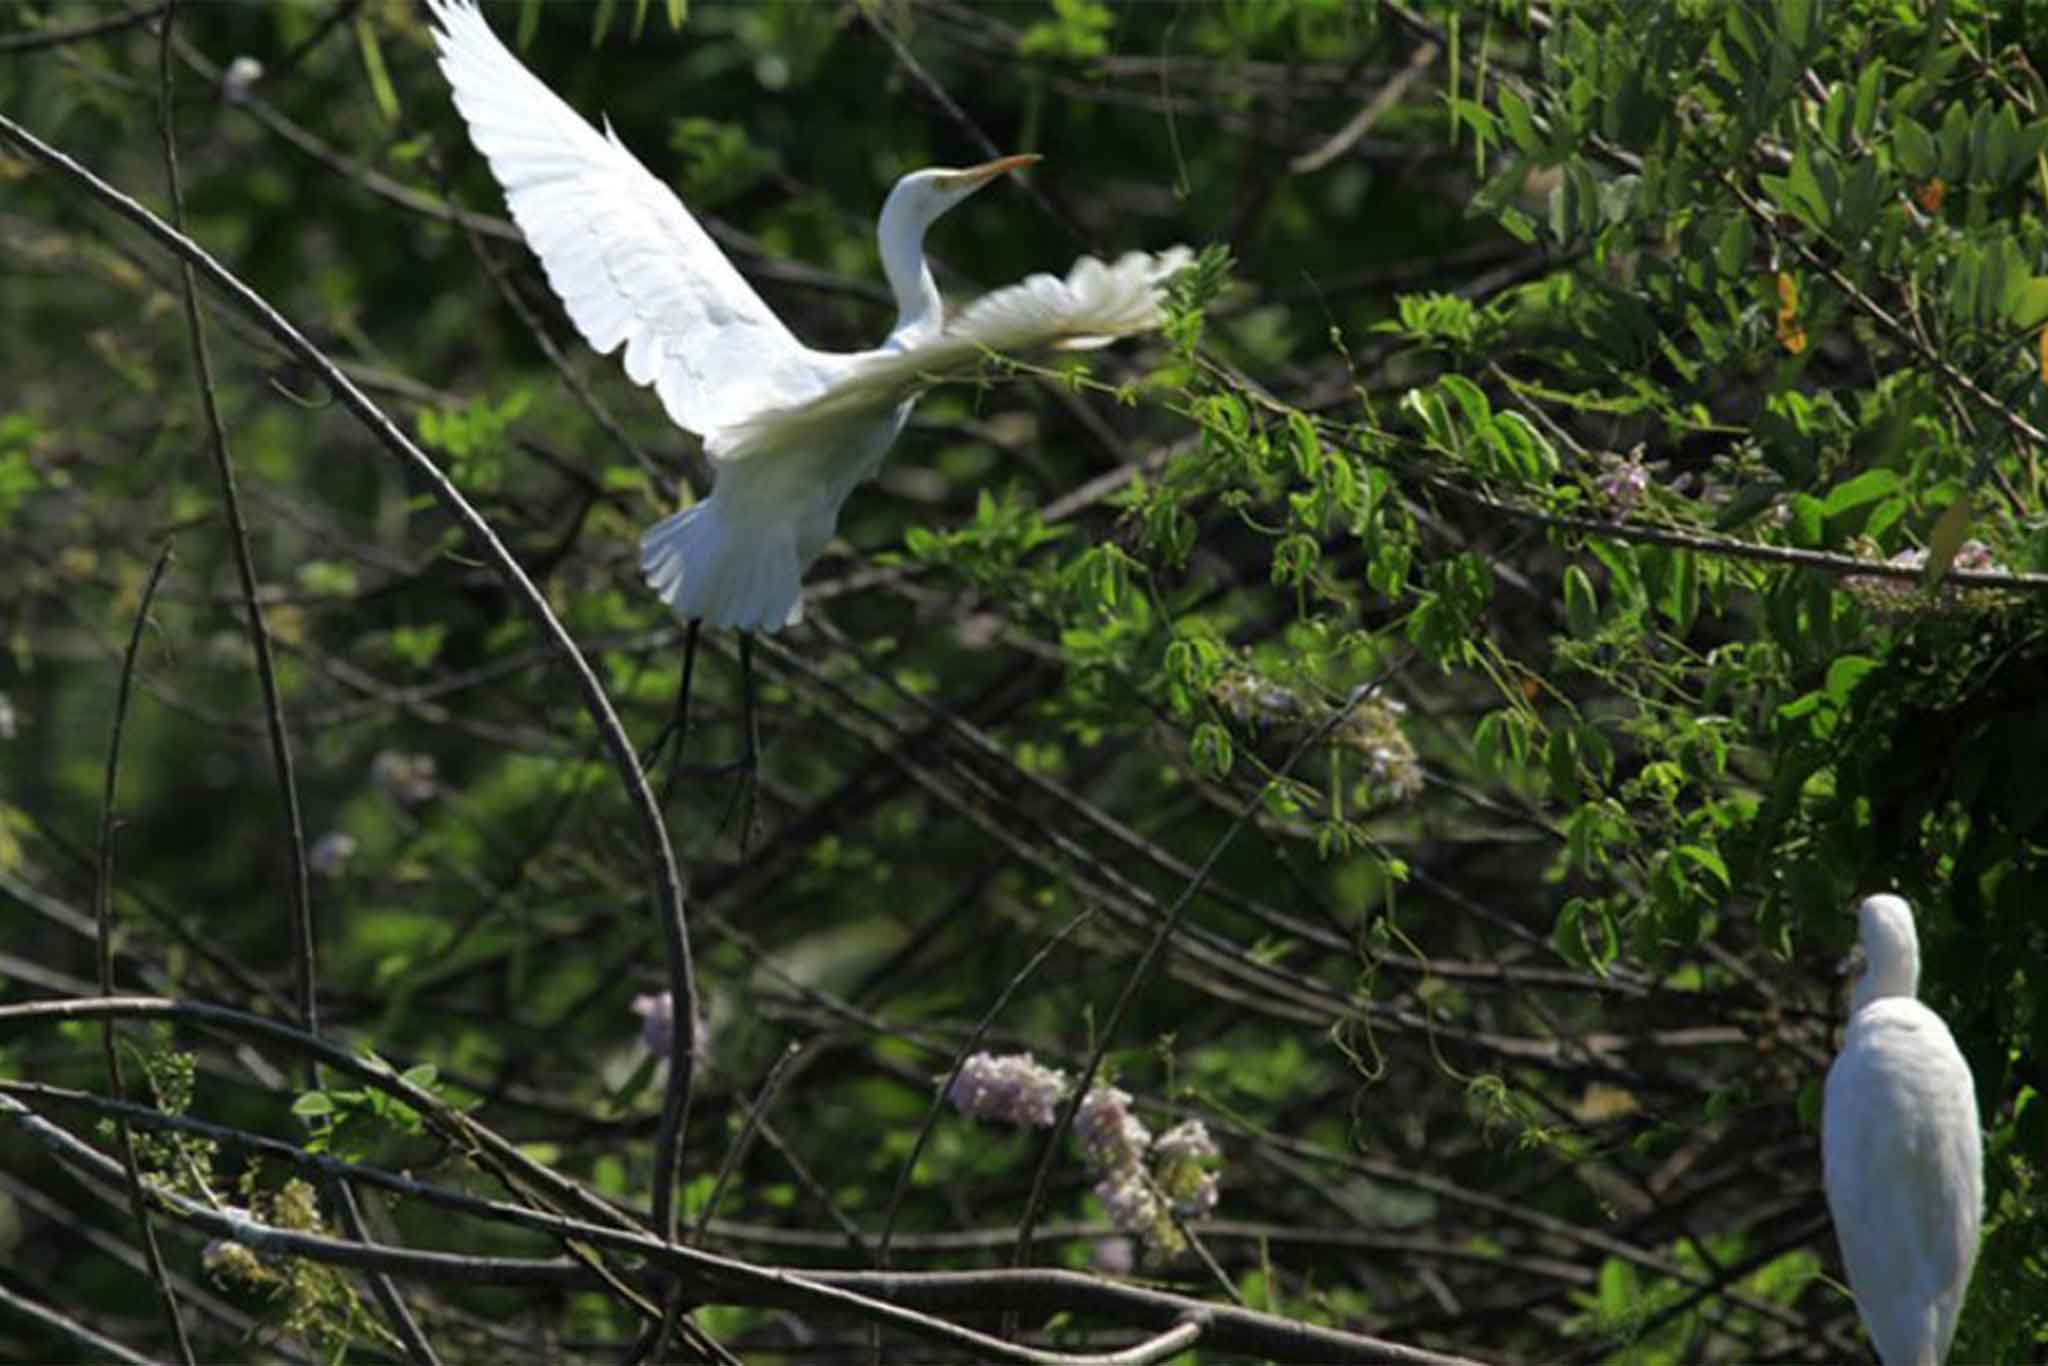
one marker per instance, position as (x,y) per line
(1902,1155)
(790,431)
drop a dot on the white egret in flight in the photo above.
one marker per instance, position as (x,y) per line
(1902,1157)
(790,431)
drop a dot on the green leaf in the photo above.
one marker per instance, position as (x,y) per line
(313,1104)
(1680,600)
(1949,533)
(1954,141)
(1308,448)
(1844,673)
(1733,246)
(1471,401)
(1800,192)
(1210,750)
(1867,87)
(1866,487)
(373,67)
(1914,147)
(1707,861)
(2026,302)
(1581,606)
(1520,125)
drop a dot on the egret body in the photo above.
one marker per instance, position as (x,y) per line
(790,431)
(1902,1155)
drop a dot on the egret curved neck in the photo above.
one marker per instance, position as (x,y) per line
(920,313)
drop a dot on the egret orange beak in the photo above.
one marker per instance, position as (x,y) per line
(974,177)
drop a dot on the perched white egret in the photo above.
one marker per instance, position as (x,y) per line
(1902,1157)
(790,431)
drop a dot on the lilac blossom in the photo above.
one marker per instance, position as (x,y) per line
(407,779)
(657,1012)
(330,853)
(1182,1164)
(1374,729)
(1111,1136)
(1624,479)
(1012,1089)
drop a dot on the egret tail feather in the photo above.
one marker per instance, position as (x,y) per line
(706,570)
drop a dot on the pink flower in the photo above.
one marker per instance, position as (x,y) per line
(1012,1089)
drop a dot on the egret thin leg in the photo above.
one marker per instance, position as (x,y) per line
(750,757)
(678,726)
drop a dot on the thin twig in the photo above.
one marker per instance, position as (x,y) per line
(304,939)
(55,1322)
(60,37)
(960,1055)
(877,1296)
(1360,123)
(667,882)
(103,915)
(1168,922)
(908,61)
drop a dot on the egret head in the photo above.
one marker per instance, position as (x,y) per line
(1889,948)
(922,196)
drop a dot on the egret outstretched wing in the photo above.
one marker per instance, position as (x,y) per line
(627,259)
(1094,305)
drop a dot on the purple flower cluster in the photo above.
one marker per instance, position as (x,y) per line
(1249,699)
(330,853)
(1116,1144)
(1374,730)
(1111,1136)
(1132,1205)
(1141,1182)
(1013,1090)
(1624,479)
(657,1012)
(407,779)
(1183,1162)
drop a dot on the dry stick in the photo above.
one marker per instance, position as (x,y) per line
(304,942)
(877,1295)
(1569,1273)
(49,1318)
(103,915)
(520,1271)
(1383,99)
(30,42)
(499,1156)
(44,1202)
(667,879)
(303,953)
(754,1121)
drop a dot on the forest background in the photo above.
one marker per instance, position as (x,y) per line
(1425,716)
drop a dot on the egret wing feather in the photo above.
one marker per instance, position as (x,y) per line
(630,264)
(1094,305)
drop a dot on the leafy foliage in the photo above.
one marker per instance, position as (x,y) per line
(1580,527)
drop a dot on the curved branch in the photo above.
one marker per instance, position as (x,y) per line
(668,888)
